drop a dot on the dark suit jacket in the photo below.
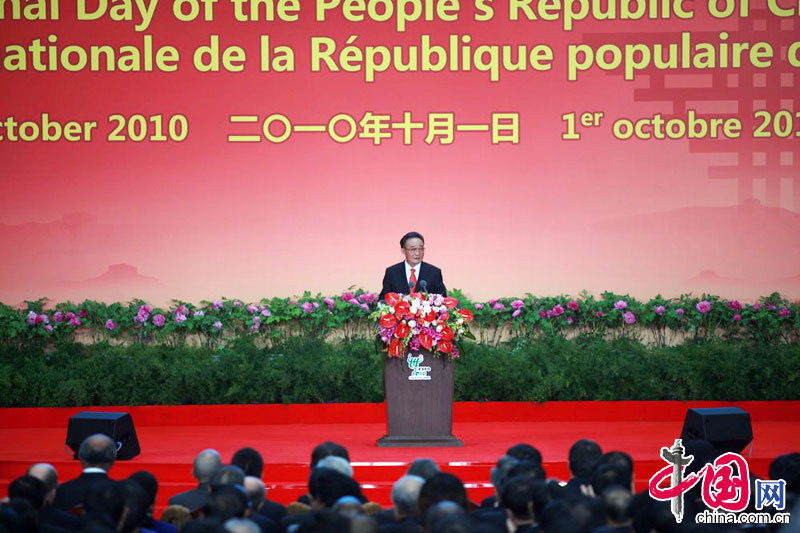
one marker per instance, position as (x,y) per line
(395,280)
(74,491)
(272,510)
(192,499)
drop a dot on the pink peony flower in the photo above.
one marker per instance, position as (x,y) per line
(58,316)
(365,307)
(346,297)
(704,307)
(217,325)
(660,310)
(159,320)
(83,313)
(756,307)
(784,312)
(217,304)
(75,322)
(479,307)
(353,301)
(307,307)
(31,318)
(737,317)
(734,304)
(516,313)
(48,328)
(542,314)
(599,314)
(180,318)
(237,303)
(558,310)
(498,306)
(199,314)
(254,328)
(70,316)
(110,325)
(620,305)
(252,309)
(329,302)
(316,305)
(492,302)
(679,311)
(517,304)
(265,313)
(570,320)
(629,317)
(573,305)
(770,306)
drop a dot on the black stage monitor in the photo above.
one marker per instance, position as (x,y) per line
(118,426)
(728,429)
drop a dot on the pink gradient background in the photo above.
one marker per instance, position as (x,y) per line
(206,218)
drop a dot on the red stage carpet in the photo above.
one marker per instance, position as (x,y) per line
(171,436)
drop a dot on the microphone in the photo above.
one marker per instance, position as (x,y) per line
(424,284)
(410,287)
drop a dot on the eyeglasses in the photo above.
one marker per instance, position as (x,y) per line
(415,250)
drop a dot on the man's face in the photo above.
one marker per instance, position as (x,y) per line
(414,251)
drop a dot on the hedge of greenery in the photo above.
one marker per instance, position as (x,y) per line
(304,369)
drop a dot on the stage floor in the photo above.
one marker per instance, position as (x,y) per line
(170,437)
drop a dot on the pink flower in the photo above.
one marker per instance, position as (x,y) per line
(346,297)
(182,309)
(254,328)
(549,313)
(558,310)
(629,317)
(492,302)
(159,320)
(679,311)
(734,304)
(252,309)
(756,307)
(542,314)
(44,319)
(737,317)
(58,316)
(660,310)
(237,303)
(573,305)
(517,304)
(110,325)
(316,305)
(265,313)
(353,301)
(784,312)
(770,306)
(704,307)
(516,313)
(75,322)
(479,307)
(365,307)
(329,302)
(498,306)
(180,318)
(599,314)
(217,325)
(217,304)
(48,328)
(620,305)
(70,316)
(199,314)
(307,307)
(570,320)
(31,318)
(83,313)
(256,320)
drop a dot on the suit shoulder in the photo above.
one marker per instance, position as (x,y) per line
(433,267)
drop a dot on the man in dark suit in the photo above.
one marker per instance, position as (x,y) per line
(206,464)
(97,454)
(412,275)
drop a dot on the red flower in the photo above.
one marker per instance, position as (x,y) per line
(402,330)
(392,298)
(388,321)
(401,309)
(445,346)
(425,340)
(444,318)
(396,348)
(430,317)
(466,314)
(447,334)
(450,302)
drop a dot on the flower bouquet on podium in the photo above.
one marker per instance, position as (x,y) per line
(408,323)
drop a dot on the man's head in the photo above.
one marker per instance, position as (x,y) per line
(584,456)
(46,473)
(256,492)
(443,486)
(334,462)
(525,452)
(227,476)
(424,468)
(518,498)
(328,448)
(250,461)
(206,465)
(29,488)
(149,483)
(405,494)
(413,247)
(326,486)
(97,451)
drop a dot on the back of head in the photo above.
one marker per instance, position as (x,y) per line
(618,458)
(525,452)
(518,495)
(441,487)
(440,510)
(97,451)
(500,472)
(46,473)
(326,486)
(405,495)
(206,464)
(326,521)
(148,482)
(255,490)
(527,469)
(453,523)
(586,512)
(424,468)
(348,506)
(227,476)
(226,502)
(334,462)
(363,524)
(137,501)
(787,468)
(584,456)
(28,488)
(328,448)
(250,461)
(241,525)
(177,515)
(105,499)
(607,475)
(616,503)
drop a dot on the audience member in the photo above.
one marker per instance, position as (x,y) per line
(177,515)
(584,456)
(206,464)
(424,468)
(96,453)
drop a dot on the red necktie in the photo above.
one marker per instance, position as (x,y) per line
(413,280)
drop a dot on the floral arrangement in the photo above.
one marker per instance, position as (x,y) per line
(430,321)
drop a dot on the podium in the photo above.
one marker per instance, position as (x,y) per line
(419,401)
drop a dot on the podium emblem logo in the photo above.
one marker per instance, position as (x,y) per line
(418,372)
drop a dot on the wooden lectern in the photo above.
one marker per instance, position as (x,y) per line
(419,401)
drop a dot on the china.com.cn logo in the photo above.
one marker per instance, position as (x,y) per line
(726,487)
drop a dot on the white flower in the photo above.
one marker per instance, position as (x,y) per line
(460,321)
(413,309)
(412,323)
(439,329)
